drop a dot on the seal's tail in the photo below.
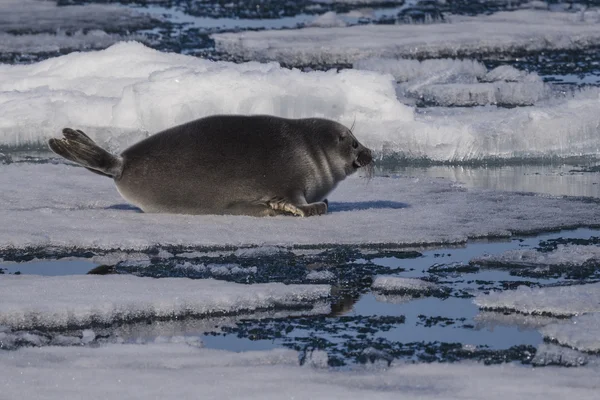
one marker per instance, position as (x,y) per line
(76,146)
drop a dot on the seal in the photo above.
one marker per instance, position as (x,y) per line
(228,164)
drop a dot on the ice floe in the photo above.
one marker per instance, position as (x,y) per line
(557,301)
(62,206)
(30,301)
(33,26)
(178,370)
(581,332)
(523,30)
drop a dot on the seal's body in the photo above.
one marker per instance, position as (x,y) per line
(227,164)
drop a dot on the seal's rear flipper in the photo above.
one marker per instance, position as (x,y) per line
(76,146)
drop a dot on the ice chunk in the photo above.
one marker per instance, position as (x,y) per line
(523,30)
(320,276)
(558,301)
(449,82)
(426,71)
(70,301)
(218,269)
(63,206)
(550,354)
(564,255)
(581,332)
(328,20)
(396,284)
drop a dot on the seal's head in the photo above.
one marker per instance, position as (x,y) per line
(345,153)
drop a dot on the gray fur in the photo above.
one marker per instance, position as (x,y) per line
(226,164)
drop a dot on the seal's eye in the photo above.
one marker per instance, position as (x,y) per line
(355,144)
(341,138)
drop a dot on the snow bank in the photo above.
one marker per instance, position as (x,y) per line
(564,255)
(121,95)
(523,30)
(30,301)
(449,82)
(580,333)
(59,205)
(558,301)
(182,371)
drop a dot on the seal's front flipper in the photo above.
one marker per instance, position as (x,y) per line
(303,210)
(76,146)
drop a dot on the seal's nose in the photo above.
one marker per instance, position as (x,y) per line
(365,157)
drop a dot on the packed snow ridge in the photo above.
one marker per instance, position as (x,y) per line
(128,91)
(30,301)
(517,31)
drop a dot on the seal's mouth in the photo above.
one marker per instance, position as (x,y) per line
(364,158)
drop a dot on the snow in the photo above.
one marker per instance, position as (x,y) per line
(449,82)
(128,91)
(182,371)
(391,284)
(522,30)
(557,301)
(564,255)
(580,332)
(122,94)
(62,206)
(30,301)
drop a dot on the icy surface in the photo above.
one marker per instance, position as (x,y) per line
(397,284)
(523,30)
(33,26)
(30,301)
(449,82)
(60,205)
(559,301)
(121,95)
(35,16)
(182,371)
(564,255)
(581,333)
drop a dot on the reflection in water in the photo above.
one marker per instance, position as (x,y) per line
(561,180)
